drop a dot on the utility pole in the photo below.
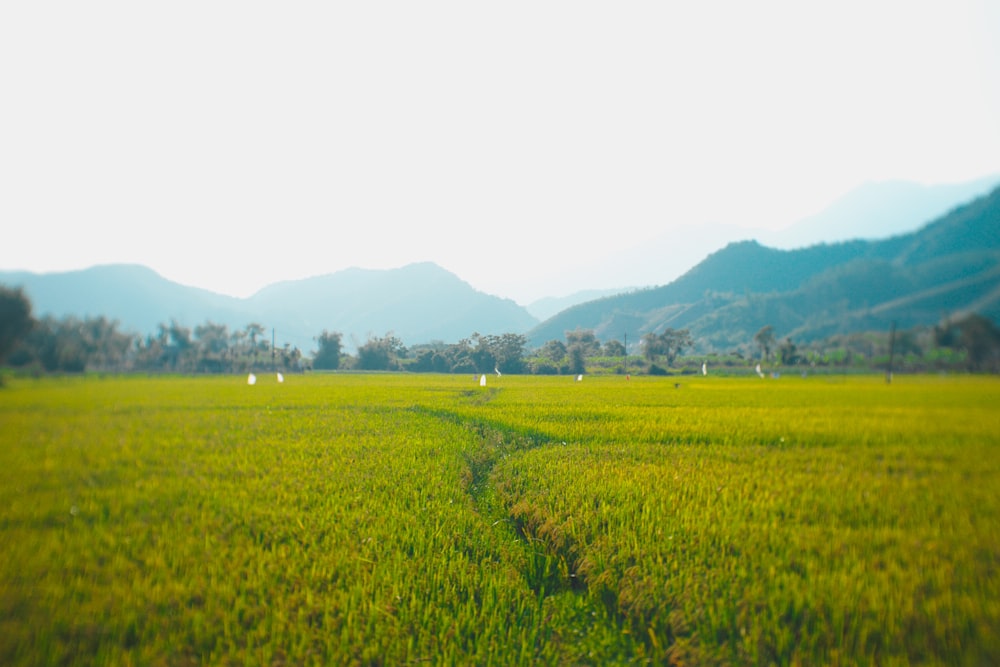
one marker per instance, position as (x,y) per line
(626,354)
(892,350)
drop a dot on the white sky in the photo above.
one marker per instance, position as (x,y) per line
(229,145)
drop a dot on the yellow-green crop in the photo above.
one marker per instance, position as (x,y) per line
(365,519)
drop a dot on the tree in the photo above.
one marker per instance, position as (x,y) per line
(430,360)
(212,346)
(787,353)
(554,350)
(180,348)
(15,319)
(765,340)
(614,348)
(507,351)
(72,345)
(673,342)
(482,354)
(460,357)
(477,354)
(327,357)
(977,336)
(107,347)
(670,344)
(981,340)
(380,354)
(577,363)
(290,357)
(580,344)
(651,346)
(586,339)
(71,349)
(253,330)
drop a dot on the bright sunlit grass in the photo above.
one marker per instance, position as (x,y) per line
(395,518)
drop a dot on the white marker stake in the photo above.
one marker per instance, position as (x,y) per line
(579,378)
(251,379)
(704,368)
(482,381)
(281,378)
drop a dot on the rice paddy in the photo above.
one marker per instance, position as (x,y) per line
(393,519)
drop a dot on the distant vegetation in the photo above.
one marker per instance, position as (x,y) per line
(418,302)
(71,345)
(818,302)
(826,306)
(948,269)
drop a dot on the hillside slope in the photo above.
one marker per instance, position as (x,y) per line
(418,303)
(948,267)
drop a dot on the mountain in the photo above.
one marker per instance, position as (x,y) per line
(418,303)
(871,211)
(879,210)
(949,267)
(545,308)
(135,295)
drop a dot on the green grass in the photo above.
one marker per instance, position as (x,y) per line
(366,519)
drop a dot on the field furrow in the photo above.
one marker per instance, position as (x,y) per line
(389,519)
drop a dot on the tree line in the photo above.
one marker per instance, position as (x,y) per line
(74,345)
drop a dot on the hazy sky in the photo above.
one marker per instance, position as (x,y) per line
(229,145)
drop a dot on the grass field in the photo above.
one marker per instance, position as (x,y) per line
(393,519)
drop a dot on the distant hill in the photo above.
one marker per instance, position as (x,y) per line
(879,210)
(545,308)
(135,295)
(869,212)
(949,267)
(418,303)
(946,268)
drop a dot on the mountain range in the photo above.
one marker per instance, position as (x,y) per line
(947,267)
(417,303)
(871,211)
(875,211)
